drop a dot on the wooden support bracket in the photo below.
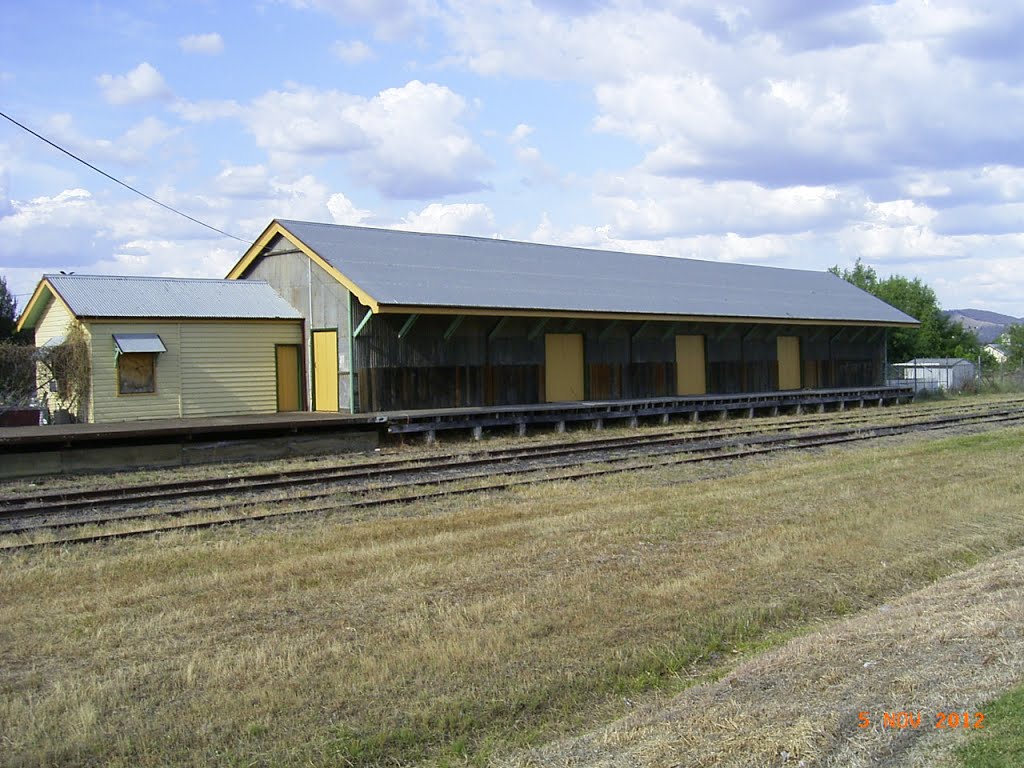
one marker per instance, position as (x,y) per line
(408,326)
(362,324)
(538,328)
(453,326)
(498,328)
(606,331)
(643,327)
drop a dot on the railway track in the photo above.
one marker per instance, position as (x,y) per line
(404,481)
(67,500)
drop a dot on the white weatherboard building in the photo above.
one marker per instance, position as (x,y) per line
(934,373)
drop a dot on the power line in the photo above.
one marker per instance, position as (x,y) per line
(118,181)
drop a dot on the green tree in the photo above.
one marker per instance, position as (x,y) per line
(17,358)
(863,276)
(1015,347)
(8,311)
(938,336)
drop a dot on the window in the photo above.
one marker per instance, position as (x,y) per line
(136,373)
(136,362)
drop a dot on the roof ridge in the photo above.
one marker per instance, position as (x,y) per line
(223,280)
(554,246)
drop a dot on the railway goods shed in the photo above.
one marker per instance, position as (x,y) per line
(401,320)
(162,348)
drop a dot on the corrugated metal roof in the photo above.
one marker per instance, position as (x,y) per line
(111,296)
(453,271)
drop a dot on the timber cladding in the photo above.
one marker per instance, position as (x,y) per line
(209,369)
(494,361)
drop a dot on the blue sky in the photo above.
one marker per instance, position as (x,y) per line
(782,133)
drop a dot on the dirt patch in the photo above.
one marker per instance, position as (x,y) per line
(947,648)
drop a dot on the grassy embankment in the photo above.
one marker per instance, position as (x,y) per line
(1001,745)
(481,625)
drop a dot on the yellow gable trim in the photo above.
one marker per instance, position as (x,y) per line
(41,298)
(276,228)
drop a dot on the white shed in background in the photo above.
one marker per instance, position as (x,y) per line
(934,373)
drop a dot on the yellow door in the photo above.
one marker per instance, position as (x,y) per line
(563,367)
(289,378)
(325,370)
(690,366)
(788,348)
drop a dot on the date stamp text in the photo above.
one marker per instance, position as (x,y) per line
(949,720)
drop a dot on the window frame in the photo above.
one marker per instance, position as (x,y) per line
(136,356)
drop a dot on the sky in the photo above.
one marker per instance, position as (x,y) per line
(784,133)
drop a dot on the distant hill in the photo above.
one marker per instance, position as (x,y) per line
(988,326)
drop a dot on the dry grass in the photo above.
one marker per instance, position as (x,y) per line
(947,648)
(477,626)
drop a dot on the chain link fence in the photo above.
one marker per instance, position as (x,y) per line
(947,377)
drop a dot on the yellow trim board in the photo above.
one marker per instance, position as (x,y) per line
(30,308)
(35,312)
(274,229)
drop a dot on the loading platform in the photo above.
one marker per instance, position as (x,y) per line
(53,449)
(597,413)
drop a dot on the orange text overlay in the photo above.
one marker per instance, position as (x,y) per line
(921,720)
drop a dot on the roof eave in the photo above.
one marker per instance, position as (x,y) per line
(423,309)
(181,318)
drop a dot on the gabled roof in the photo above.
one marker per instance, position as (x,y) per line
(395,271)
(112,297)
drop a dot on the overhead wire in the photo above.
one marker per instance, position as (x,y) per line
(114,179)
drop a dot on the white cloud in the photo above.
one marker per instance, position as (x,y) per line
(519,133)
(208,110)
(669,109)
(164,258)
(389,18)
(406,142)
(900,213)
(925,185)
(140,84)
(74,230)
(132,147)
(530,158)
(304,197)
(352,51)
(243,181)
(453,219)
(777,93)
(304,121)
(344,211)
(208,44)
(6,206)
(646,206)
(59,229)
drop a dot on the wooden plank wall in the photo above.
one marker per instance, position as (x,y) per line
(624,360)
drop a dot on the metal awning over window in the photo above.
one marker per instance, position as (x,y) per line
(56,341)
(138,342)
